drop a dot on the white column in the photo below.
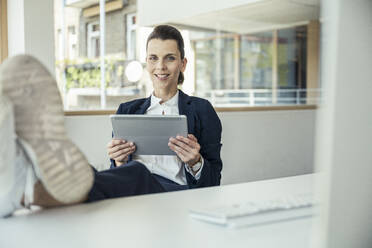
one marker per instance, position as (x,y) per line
(102,15)
(31,30)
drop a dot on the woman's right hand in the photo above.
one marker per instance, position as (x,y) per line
(119,150)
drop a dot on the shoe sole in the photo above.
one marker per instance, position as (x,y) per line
(39,120)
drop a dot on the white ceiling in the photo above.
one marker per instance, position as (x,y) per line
(258,16)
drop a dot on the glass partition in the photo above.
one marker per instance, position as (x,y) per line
(230,66)
(78,53)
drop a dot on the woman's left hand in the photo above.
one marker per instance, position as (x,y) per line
(186,148)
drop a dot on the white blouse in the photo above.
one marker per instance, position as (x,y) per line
(167,166)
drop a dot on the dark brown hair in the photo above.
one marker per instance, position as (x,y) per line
(167,32)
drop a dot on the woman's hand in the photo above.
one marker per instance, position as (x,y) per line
(186,148)
(119,150)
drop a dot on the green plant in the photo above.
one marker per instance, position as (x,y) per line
(86,73)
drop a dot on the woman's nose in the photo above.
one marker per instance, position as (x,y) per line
(160,64)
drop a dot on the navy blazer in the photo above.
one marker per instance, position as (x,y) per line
(203,123)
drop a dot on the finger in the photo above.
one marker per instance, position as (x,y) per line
(190,143)
(190,150)
(188,154)
(122,153)
(118,154)
(178,152)
(191,140)
(176,148)
(187,141)
(191,136)
(185,155)
(196,143)
(119,147)
(115,142)
(184,143)
(122,159)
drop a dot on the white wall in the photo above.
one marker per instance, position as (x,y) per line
(344,133)
(151,12)
(256,145)
(91,134)
(238,16)
(266,144)
(31,30)
(16,26)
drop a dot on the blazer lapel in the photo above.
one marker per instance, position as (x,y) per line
(144,106)
(185,108)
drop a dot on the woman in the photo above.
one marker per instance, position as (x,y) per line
(198,162)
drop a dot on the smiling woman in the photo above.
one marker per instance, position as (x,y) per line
(165,66)
(197,162)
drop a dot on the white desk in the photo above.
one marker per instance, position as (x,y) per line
(159,220)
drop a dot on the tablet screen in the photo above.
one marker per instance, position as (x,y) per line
(150,133)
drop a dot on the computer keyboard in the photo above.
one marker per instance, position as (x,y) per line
(256,213)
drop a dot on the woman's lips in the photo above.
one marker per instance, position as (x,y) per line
(162,76)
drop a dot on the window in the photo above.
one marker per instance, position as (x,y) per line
(256,56)
(131,36)
(93,40)
(78,51)
(244,63)
(72,42)
(292,61)
(263,68)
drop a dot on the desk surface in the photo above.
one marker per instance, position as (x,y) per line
(160,220)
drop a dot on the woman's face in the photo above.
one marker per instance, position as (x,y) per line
(164,64)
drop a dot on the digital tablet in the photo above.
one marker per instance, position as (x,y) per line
(150,133)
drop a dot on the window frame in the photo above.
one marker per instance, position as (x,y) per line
(131,48)
(312,60)
(3,30)
(71,42)
(91,47)
(237,55)
(218,110)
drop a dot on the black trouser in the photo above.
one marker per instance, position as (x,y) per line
(128,180)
